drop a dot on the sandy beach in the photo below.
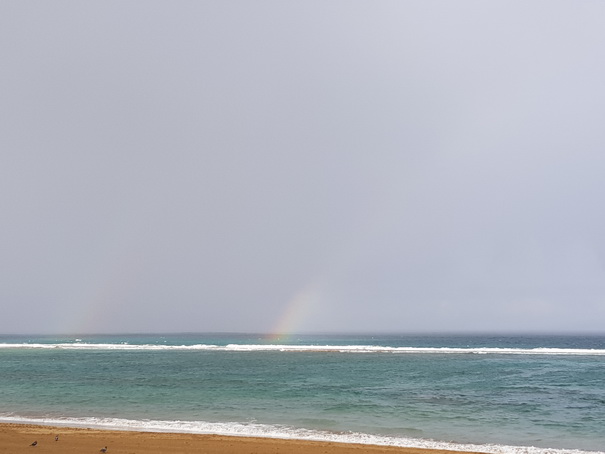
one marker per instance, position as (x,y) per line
(18,438)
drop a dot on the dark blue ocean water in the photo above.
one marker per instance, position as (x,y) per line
(503,393)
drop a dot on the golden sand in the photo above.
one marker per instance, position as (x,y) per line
(17,438)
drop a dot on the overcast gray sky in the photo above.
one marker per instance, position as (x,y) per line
(305,165)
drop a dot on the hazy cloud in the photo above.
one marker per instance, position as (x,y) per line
(339,165)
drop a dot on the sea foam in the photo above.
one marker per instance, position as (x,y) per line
(309,348)
(279,431)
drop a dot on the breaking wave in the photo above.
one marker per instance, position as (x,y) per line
(278,431)
(309,348)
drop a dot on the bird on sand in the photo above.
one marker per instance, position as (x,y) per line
(103,449)
(56,438)
(34,443)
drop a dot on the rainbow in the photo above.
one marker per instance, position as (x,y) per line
(91,311)
(94,309)
(295,313)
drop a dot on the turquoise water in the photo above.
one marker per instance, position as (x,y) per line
(502,393)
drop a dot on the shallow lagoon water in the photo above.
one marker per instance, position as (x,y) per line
(503,393)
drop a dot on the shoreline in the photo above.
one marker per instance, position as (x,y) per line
(17,438)
(409,408)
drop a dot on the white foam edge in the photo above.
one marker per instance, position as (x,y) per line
(311,348)
(279,432)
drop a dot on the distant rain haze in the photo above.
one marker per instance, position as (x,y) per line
(332,166)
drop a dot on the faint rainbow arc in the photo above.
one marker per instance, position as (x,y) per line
(296,312)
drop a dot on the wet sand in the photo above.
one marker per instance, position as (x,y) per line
(17,438)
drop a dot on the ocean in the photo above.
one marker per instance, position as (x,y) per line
(495,394)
